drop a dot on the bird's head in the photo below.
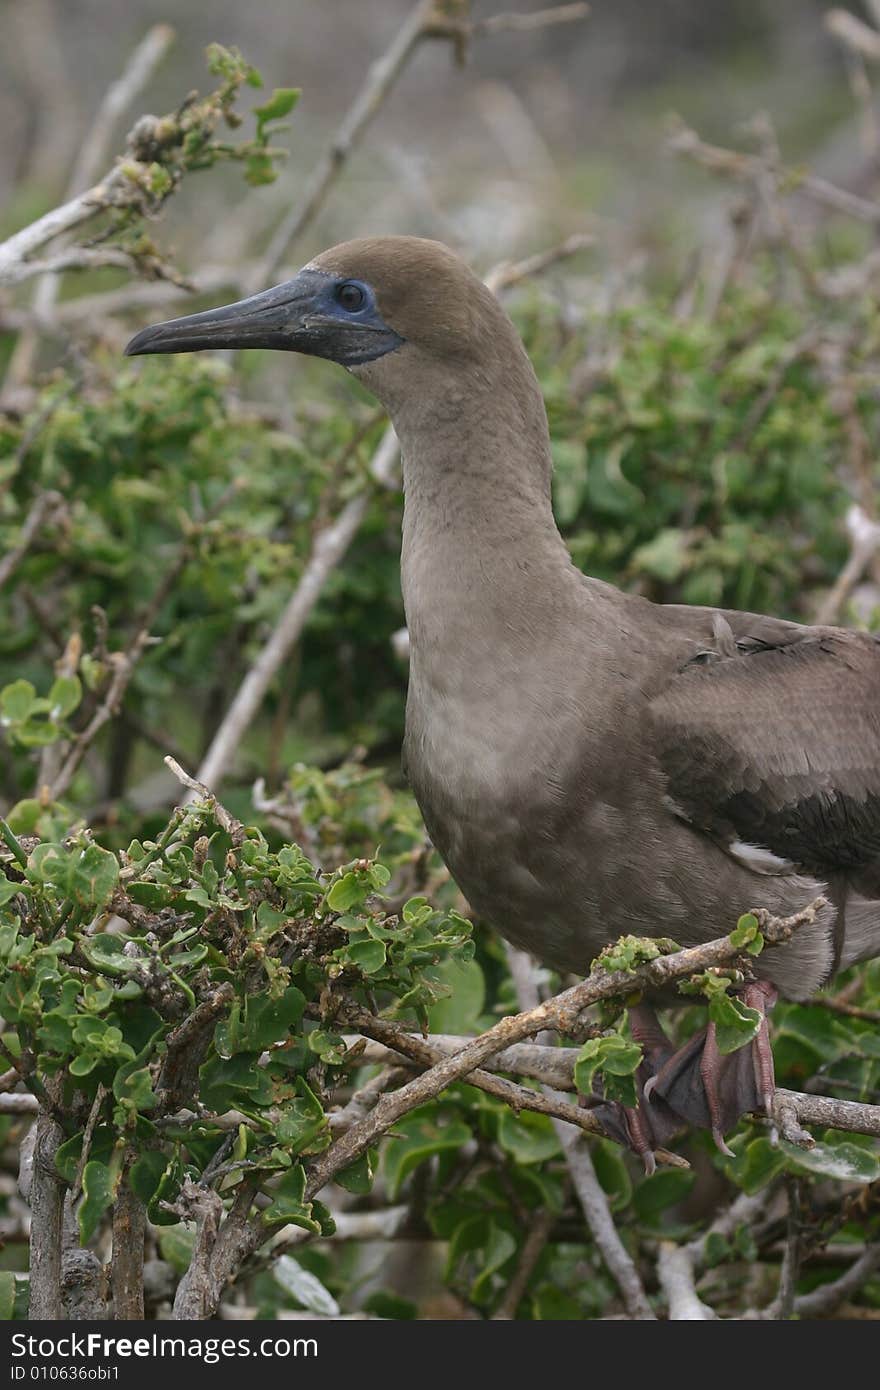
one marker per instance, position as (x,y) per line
(379,306)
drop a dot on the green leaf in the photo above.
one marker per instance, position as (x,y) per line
(64,696)
(68,1155)
(745,930)
(280,104)
(358,1177)
(844,1162)
(134,1088)
(614,1056)
(347,892)
(302,1126)
(418,1137)
(93,876)
(460,1011)
(260,1022)
(235,1082)
(756,1163)
(664,1189)
(106,952)
(612,1172)
(176,1246)
(665,557)
(16,702)
(305,1287)
(8,890)
(735,1023)
(99,1192)
(289,1205)
(368,956)
(330,1047)
(146,1174)
(528,1137)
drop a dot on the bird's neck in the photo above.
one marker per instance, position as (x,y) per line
(482,557)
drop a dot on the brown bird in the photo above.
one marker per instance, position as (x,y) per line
(587,763)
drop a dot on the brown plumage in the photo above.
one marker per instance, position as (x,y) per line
(587,763)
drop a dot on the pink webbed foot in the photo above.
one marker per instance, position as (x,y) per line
(643,1127)
(695,1084)
(712,1090)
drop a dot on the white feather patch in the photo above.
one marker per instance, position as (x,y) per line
(759,859)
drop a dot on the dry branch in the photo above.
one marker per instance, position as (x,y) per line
(864,541)
(757,169)
(675,1270)
(597,1213)
(533,1245)
(517,1097)
(381,77)
(854,33)
(594,1203)
(46,1200)
(828,1297)
(554,1066)
(561,1014)
(46,507)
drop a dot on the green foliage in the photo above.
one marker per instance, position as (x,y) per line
(248,936)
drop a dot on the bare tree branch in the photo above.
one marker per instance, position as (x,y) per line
(579,1162)
(864,540)
(827,1297)
(380,80)
(46,1199)
(675,1270)
(756,168)
(597,1213)
(127,1265)
(531,1252)
(46,508)
(854,33)
(561,1014)
(516,1096)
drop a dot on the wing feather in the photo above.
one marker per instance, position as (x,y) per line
(772,740)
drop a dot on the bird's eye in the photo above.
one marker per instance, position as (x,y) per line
(350,296)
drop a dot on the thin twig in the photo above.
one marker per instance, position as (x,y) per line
(94,151)
(554,1066)
(864,538)
(757,169)
(328,547)
(782,1307)
(138,70)
(46,507)
(74,258)
(593,1201)
(529,1255)
(827,1297)
(507,274)
(854,33)
(597,1214)
(381,77)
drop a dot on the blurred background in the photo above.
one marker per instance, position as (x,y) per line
(537,131)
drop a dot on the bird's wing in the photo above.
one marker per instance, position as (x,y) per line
(770,740)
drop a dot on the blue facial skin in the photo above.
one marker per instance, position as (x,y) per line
(315,313)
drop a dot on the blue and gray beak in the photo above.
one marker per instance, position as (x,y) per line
(304,314)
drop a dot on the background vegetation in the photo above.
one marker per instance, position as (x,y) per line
(199,558)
